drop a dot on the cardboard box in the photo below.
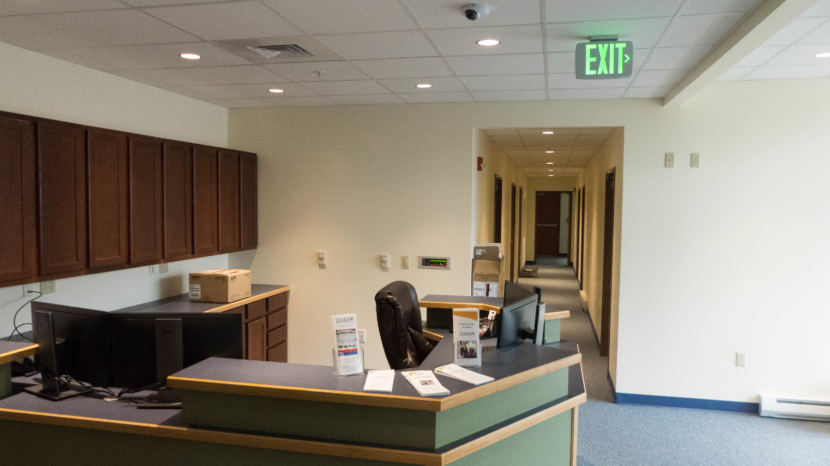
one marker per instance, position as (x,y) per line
(486,269)
(220,285)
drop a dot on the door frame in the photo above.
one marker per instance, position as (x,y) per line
(512,244)
(607,263)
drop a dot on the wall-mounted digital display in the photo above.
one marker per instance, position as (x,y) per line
(431,262)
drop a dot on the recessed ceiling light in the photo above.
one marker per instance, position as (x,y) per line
(550,175)
(190,56)
(423,85)
(823,55)
(547,132)
(550,163)
(488,42)
(276,90)
(548,151)
(550,169)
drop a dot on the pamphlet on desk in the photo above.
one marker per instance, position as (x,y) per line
(347,357)
(379,381)
(465,375)
(466,341)
(425,383)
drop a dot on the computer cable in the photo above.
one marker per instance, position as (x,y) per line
(14,319)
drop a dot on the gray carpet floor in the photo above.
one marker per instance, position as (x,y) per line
(611,434)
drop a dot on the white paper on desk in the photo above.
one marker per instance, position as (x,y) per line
(425,383)
(465,375)
(380,381)
(347,359)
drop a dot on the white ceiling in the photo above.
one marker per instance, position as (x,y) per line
(572,148)
(377,50)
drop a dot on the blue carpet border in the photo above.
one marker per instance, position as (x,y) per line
(679,402)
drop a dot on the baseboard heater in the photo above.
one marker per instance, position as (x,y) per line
(792,408)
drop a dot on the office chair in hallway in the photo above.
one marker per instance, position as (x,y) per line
(399,323)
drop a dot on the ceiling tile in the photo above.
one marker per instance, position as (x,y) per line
(87,29)
(801,55)
(164,78)
(405,68)
(343,16)
(226,21)
(346,87)
(209,92)
(560,11)
(573,94)
(308,71)
(369,45)
(698,30)
(529,63)
(28,7)
(303,101)
(368,99)
(147,56)
(261,90)
(509,95)
(795,30)
(142,3)
(706,7)
(498,83)
(657,78)
(514,39)
(735,73)
(789,72)
(672,58)
(646,92)
(408,85)
(569,81)
(760,55)
(819,35)
(821,8)
(433,14)
(236,74)
(562,62)
(244,102)
(643,32)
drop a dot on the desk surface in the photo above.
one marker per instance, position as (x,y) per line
(445,301)
(14,350)
(182,303)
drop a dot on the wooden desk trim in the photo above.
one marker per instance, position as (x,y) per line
(370,399)
(553,315)
(457,305)
(19,353)
(242,302)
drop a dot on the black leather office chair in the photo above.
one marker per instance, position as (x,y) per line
(399,322)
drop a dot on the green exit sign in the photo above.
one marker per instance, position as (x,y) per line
(604,59)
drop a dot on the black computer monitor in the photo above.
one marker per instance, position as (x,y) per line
(71,341)
(521,317)
(147,347)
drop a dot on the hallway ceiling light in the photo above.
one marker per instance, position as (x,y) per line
(190,56)
(551,174)
(550,169)
(488,42)
(276,90)
(550,163)
(823,55)
(423,85)
(548,151)
(547,132)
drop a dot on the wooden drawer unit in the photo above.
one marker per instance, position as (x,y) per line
(275,319)
(277,302)
(278,335)
(278,353)
(265,328)
(255,310)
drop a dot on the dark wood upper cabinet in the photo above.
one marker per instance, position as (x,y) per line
(18,229)
(62,188)
(228,201)
(145,200)
(205,198)
(247,201)
(107,185)
(178,200)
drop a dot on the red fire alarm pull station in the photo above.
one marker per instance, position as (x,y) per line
(480,163)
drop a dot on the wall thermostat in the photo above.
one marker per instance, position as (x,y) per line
(431,262)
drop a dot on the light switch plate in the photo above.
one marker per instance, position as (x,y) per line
(694,160)
(47,286)
(404,262)
(322,259)
(164,267)
(669,160)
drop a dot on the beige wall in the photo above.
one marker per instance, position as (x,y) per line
(497,163)
(541,184)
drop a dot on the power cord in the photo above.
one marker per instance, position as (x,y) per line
(14,319)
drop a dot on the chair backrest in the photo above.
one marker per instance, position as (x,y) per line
(399,323)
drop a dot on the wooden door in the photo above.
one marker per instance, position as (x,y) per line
(178,200)
(581,235)
(228,201)
(18,209)
(62,185)
(146,244)
(108,198)
(256,330)
(547,223)
(497,211)
(205,199)
(607,265)
(247,201)
(513,258)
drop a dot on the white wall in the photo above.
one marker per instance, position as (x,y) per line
(702,273)
(34,84)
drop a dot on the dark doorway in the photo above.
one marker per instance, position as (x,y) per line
(607,264)
(547,222)
(581,235)
(497,212)
(520,227)
(513,233)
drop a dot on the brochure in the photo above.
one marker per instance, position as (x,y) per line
(347,357)
(465,375)
(466,341)
(425,383)
(380,381)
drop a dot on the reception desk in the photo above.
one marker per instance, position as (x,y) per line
(256,412)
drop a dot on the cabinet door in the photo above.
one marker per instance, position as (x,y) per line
(247,201)
(205,198)
(228,201)
(62,182)
(256,332)
(108,202)
(18,193)
(145,200)
(178,201)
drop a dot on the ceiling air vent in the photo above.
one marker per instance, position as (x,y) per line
(281,51)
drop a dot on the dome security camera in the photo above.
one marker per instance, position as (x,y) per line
(474,11)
